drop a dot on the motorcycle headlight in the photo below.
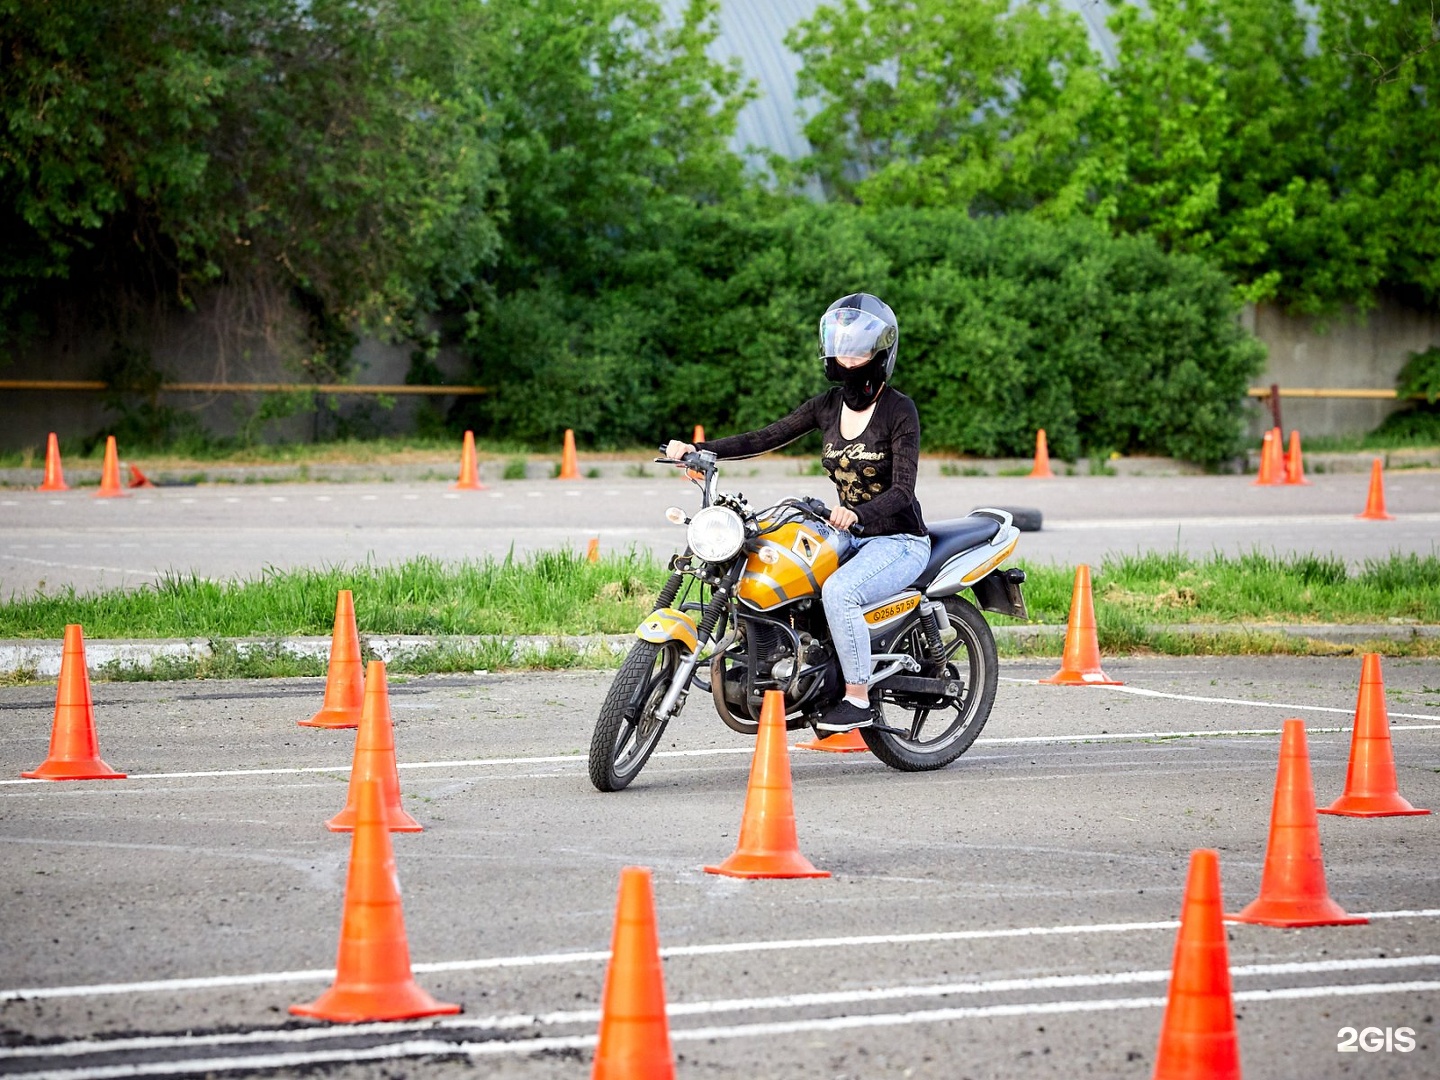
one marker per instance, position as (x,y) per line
(716,534)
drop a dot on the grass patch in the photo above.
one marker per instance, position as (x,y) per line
(1170,604)
(227,661)
(273,661)
(553,592)
(1135,590)
(955,468)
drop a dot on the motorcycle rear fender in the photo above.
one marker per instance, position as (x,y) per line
(996,592)
(968,568)
(669,624)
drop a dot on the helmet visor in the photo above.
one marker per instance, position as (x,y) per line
(852,332)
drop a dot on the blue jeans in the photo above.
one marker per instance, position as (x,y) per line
(871,569)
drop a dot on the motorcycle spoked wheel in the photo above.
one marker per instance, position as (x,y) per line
(619,748)
(939,734)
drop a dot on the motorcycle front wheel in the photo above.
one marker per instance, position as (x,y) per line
(931,737)
(620,747)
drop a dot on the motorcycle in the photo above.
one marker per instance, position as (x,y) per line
(741,615)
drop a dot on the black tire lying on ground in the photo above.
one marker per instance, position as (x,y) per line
(1025,518)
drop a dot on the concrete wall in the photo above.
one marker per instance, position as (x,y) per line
(192,348)
(1349,352)
(1346,352)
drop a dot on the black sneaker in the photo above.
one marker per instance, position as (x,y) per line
(845,716)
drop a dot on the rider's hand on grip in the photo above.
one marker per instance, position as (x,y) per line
(676,450)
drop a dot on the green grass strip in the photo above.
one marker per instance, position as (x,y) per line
(552,592)
(559,592)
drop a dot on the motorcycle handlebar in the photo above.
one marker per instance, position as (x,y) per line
(822,513)
(812,505)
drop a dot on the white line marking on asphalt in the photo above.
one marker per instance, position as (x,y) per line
(701,1008)
(81,566)
(1142,692)
(725,750)
(439,1047)
(1089,525)
(714,949)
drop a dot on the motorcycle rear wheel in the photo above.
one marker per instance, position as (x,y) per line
(970,655)
(619,747)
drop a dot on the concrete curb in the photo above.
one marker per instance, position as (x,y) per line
(41,657)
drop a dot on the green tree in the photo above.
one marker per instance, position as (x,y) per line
(983,105)
(338,152)
(606,111)
(613,122)
(1382,88)
(1307,168)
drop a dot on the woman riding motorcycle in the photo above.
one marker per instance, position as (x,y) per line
(871,452)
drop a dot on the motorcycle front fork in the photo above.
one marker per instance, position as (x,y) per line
(679,688)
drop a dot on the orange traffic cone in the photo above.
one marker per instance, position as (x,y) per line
(1267,460)
(842,742)
(1370,786)
(1080,666)
(634,1033)
(469,470)
(768,847)
(110,473)
(1295,462)
(697,438)
(375,760)
(345,679)
(54,473)
(1292,884)
(569,467)
(1041,470)
(592,552)
(373,980)
(1277,456)
(1375,501)
(137,478)
(74,749)
(1197,1036)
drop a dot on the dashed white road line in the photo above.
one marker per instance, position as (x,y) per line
(723,948)
(81,566)
(1098,524)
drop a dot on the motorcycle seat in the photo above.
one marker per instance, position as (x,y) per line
(949,538)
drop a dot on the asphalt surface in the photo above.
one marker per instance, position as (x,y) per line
(1010,916)
(54,540)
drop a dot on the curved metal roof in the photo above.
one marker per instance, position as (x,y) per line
(754,32)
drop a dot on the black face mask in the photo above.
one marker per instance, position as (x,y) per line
(859,387)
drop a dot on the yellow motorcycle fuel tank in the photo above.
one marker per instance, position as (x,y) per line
(804,558)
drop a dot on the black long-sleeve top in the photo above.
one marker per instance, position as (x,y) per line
(874,473)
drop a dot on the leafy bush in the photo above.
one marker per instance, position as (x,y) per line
(1421,375)
(1007,325)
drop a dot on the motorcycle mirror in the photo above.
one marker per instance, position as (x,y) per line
(676,516)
